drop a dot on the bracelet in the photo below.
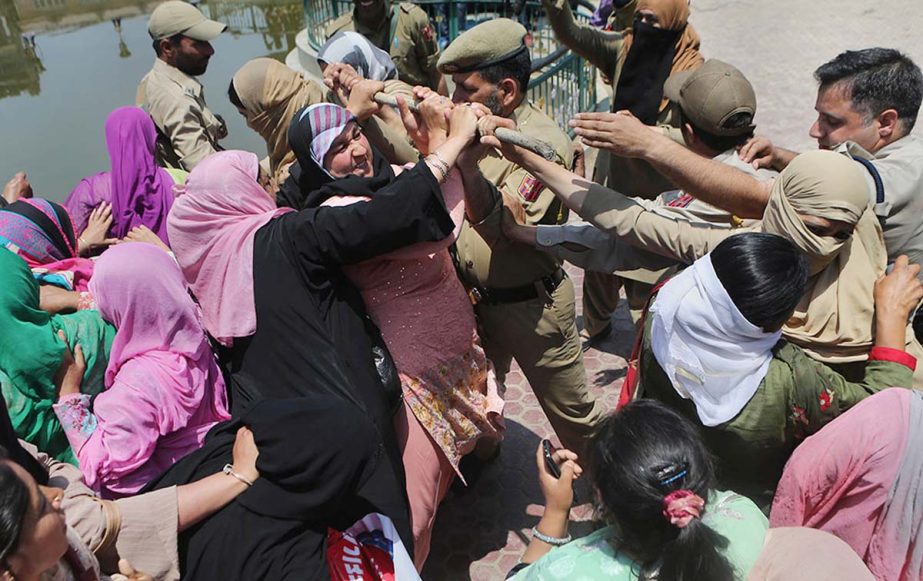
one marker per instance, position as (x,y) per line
(229,470)
(553,541)
(441,164)
(444,163)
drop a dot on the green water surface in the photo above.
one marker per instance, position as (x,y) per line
(54,98)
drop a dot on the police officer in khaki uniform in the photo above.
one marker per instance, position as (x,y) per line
(524,300)
(187,130)
(716,105)
(404,31)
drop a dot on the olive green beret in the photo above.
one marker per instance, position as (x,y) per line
(485,45)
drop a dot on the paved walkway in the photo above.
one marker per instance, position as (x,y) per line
(480,533)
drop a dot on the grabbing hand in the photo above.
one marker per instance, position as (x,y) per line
(340,76)
(898,293)
(514,153)
(361,100)
(471,156)
(128,573)
(94,236)
(621,133)
(16,188)
(70,373)
(558,492)
(463,124)
(758,151)
(244,454)
(427,127)
(145,235)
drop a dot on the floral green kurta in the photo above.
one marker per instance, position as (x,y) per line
(797,398)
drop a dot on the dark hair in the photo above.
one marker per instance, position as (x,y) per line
(638,456)
(518,68)
(764,274)
(233,96)
(876,79)
(14,505)
(174,40)
(723,142)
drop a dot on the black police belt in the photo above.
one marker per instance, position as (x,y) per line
(517,294)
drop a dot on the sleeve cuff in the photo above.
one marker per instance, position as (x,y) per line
(547,235)
(893,355)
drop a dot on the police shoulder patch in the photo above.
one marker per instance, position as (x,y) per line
(530,188)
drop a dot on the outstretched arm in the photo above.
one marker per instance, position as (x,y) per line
(601,48)
(616,214)
(710,181)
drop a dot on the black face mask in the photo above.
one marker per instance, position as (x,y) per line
(647,66)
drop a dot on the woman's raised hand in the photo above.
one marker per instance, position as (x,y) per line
(18,187)
(94,235)
(361,101)
(900,291)
(896,294)
(558,492)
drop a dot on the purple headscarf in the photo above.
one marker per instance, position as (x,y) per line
(142,193)
(90,192)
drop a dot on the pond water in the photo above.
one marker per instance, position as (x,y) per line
(55,95)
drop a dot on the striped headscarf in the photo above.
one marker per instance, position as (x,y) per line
(41,233)
(37,230)
(327,122)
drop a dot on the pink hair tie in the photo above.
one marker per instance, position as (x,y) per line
(681,506)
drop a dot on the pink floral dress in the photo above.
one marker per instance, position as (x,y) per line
(426,319)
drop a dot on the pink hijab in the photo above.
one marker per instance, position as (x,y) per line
(211,231)
(159,340)
(858,478)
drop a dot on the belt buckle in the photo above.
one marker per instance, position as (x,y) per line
(474,295)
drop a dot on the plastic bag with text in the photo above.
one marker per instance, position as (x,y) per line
(370,550)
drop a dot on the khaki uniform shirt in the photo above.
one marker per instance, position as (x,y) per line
(900,168)
(601,48)
(414,48)
(486,258)
(188,131)
(676,238)
(603,253)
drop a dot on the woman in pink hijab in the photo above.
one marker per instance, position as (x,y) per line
(140,193)
(164,390)
(861,479)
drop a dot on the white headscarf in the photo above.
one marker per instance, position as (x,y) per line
(712,354)
(355,50)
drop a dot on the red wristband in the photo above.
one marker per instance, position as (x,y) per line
(893,355)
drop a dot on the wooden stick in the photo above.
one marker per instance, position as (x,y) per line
(502,133)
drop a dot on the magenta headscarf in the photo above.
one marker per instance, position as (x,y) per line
(159,340)
(86,196)
(142,193)
(211,228)
(859,478)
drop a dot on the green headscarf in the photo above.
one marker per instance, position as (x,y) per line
(31,353)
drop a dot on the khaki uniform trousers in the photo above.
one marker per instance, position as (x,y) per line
(601,297)
(542,336)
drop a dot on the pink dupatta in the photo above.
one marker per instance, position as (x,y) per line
(211,230)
